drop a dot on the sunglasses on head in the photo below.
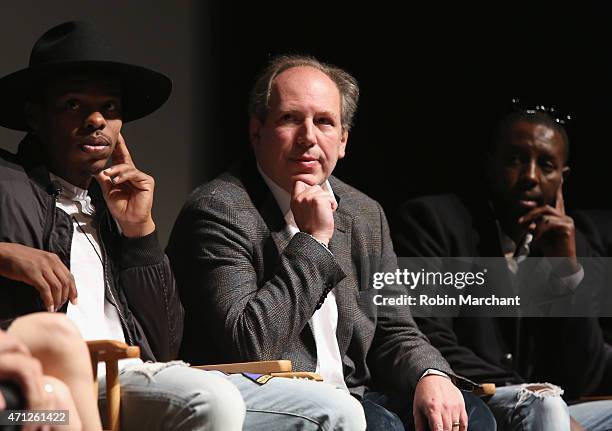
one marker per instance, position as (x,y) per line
(558,116)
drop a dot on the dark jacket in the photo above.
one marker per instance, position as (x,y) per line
(597,227)
(138,278)
(250,289)
(502,350)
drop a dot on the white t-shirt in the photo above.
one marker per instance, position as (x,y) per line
(95,317)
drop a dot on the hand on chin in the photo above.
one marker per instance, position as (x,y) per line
(310,179)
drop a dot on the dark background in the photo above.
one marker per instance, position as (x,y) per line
(158,34)
(433,78)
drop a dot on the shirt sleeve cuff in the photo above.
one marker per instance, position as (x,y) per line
(434,372)
(571,282)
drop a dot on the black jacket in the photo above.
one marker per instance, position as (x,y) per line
(501,350)
(597,227)
(138,278)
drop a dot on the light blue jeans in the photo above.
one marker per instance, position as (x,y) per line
(593,415)
(287,404)
(539,407)
(172,396)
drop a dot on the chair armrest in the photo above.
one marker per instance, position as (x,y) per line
(300,375)
(111,350)
(257,367)
(484,389)
(282,368)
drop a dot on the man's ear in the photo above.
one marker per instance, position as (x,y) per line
(33,116)
(254,130)
(565,172)
(343,141)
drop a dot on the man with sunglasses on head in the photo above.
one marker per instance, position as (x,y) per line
(522,214)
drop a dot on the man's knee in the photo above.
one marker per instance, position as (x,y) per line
(333,408)
(221,404)
(183,398)
(348,411)
(545,399)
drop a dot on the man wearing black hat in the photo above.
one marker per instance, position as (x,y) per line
(77,236)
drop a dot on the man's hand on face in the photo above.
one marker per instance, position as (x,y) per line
(40,269)
(553,231)
(313,210)
(128,193)
(439,404)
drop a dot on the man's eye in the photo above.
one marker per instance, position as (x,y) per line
(72,105)
(325,121)
(111,106)
(548,167)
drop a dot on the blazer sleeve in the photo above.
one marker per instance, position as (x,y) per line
(256,315)
(398,343)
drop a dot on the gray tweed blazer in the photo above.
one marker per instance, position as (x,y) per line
(249,289)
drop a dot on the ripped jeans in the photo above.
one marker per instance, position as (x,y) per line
(172,396)
(530,407)
(539,407)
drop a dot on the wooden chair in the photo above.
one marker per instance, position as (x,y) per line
(484,389)
(111,351)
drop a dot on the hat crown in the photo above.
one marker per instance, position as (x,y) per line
(76,46)
(72,41)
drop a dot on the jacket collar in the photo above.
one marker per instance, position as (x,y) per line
(31,156)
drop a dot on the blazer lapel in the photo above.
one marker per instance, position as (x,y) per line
(346,291)
(276,223)
(264,201)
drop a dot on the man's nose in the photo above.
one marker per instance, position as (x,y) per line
(307,137)
(95,121)
(530,174)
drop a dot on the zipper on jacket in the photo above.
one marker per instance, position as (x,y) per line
(49,223)
(110,290)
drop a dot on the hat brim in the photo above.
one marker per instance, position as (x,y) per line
(142,90)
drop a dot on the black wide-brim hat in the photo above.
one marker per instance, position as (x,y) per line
(78,46)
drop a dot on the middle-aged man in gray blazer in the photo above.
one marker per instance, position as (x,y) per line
(274,259)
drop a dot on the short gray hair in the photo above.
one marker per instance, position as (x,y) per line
(259,99)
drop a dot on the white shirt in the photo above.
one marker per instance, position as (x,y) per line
(94,316)
(324,321)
